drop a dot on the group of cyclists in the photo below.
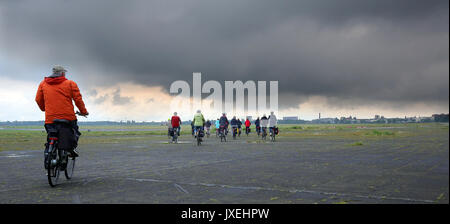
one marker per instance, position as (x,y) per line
(55,97)
(200,126)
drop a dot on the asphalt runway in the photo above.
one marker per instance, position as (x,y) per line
(246,170)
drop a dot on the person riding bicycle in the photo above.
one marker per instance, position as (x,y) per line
(223,121)
(217,125)
(272,123)
(247,125)
(263,123)
(239,123)
(169,127)
(176,123)
(257,124)
(54,96)
(208,125)
(199,121)
(234,125)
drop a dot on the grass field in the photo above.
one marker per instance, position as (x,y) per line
(33,137)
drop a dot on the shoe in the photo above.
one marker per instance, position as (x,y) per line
(74,153)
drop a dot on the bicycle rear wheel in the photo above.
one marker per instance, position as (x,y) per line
(175,138)
(68,172)
(53,169)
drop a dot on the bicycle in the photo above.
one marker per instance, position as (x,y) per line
(208,131)
(223,136)
(173,135)
(264,133)
(247,130)
(57,159)
(198,136)
(258,130)
(234,129)
(272,134)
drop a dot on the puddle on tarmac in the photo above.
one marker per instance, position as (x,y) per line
(15,155)
(179,142)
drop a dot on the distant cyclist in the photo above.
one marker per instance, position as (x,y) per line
(217,126)
(199,122)
(169,128)
(258,127)
(272,123)
(176,123)
(234,126)
(223,121)
(208,127)
(263,123)
(239,126)
(54,96)
(247,126)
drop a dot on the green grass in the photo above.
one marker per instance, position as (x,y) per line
(357,144)
(381,133)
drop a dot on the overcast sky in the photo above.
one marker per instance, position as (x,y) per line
(341,58)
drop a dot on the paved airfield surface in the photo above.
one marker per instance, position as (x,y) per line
(246,170)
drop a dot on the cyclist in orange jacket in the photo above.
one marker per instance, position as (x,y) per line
(54,96)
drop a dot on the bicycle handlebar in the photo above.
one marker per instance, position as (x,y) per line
(80,114)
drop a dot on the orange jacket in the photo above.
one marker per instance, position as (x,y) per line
(54,96)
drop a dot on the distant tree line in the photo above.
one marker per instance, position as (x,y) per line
(343,120)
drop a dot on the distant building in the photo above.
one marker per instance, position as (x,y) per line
(325,121)
(426,119)
(441,117)
(292,118)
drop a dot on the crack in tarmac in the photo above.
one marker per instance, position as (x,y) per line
(285,190)
(180,189)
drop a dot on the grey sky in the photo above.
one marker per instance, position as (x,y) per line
(352,51)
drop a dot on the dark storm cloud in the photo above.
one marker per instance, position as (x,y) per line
(393,51)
